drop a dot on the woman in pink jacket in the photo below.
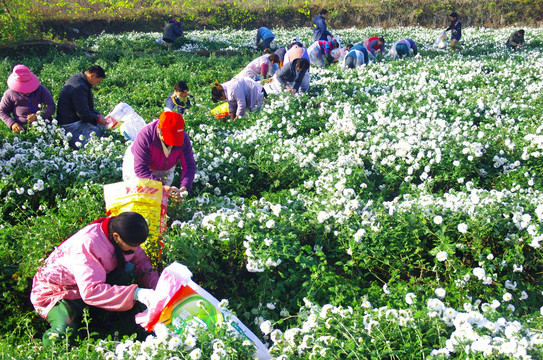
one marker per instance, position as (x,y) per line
(259,68)
(241,94)
(85,272)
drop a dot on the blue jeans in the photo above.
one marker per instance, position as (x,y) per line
(81,129)
(266,42)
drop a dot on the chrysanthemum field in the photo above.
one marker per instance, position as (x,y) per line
(393,212)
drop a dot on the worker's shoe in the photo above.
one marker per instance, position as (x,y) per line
(64,319)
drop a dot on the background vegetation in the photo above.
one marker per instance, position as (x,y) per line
(36,19)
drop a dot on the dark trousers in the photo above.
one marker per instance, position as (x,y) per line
(66,316)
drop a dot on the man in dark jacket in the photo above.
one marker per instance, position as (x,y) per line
(75,109)
(172,31)
(516,40)
(319,27)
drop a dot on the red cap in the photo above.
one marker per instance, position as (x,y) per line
(172,125)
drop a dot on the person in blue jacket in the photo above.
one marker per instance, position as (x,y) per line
(180,99)
(456,31)
(320,32)
(266,36)
(172,31)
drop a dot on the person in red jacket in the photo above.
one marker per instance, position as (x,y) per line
(374,44)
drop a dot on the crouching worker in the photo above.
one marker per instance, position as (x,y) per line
(158,147)
(358,56)
(241,94)
(403,47)
(516,40)
(95,269)
(293,76)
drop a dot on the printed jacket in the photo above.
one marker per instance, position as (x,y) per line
(15,107)
(242,94)
(290,74)
(149,156)
(76,101)
(177,104)
(77,269)
(456,29)
(325,46)
(320,32)
(372,45)
(263,34)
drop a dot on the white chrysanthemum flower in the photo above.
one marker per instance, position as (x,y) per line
(386,290)
(479,272)
(195,354)
(440,293)
(463,228)
(507,297)
(438,220)
(442,256)
(266,327)
(223,304)
(410,298)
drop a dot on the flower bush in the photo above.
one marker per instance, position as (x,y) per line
(393,211)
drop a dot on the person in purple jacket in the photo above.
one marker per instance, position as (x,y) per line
(241,94)
(25,100)
(158,147)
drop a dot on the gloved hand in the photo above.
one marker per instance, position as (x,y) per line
(144,296)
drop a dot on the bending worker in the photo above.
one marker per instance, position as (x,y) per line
(158,147)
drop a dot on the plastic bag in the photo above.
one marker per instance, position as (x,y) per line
(220,111)
(146,197)
(179,301)
(131,122)
(441,41)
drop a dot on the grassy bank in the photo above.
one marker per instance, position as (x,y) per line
(38,19)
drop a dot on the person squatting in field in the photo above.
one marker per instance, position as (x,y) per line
(24,100)
(241,94)
(403,47)
(158,148)
(358,56)
(75,109)
(374,45)
(339,54)
(293,76)
(259,67)
(172,31)
(100,268)
(180,99)
(516,40)
(321,49)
